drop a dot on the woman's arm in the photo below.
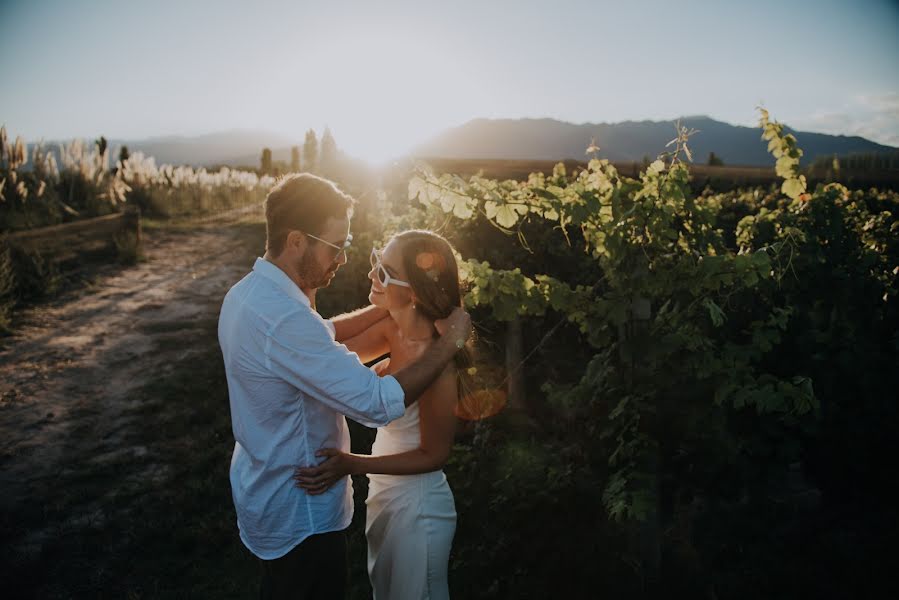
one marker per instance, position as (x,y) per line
(437,428)
(373,342)
(437,425)
(349,325)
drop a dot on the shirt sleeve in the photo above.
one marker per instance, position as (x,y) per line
(330,325)
(301,350)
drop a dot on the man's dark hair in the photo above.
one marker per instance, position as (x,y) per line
(302,201)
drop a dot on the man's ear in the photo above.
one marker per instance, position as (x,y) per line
(296,239)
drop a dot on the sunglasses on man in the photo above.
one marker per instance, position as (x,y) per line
(339,247)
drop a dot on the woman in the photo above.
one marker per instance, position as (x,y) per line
(411,516)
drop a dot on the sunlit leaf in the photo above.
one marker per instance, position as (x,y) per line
(506,216)
(793,187)
(656,167)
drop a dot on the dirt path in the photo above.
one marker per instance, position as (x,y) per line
(69,374)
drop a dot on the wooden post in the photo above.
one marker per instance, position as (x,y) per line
(131,220)
(68,242)
(650,531)
(513,364)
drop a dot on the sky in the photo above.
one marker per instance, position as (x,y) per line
(386,75)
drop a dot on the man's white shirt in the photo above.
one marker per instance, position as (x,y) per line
(290,385)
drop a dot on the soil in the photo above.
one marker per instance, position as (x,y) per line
(72,372)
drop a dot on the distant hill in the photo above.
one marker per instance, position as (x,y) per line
(548,139)
(515,139)
(238,147)
(213,148)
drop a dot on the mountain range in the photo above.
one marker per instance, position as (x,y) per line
(548,139)
(521,139)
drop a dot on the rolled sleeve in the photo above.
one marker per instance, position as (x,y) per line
(330,325)
(300,349)
(394,399)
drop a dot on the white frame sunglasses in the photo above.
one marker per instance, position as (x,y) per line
(383,276)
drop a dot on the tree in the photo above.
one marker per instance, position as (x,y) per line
(295,159)
(328,158)
(102,156)
(124,154)
(715,161)
(310,152)
(266,166)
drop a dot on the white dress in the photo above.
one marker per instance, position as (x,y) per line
(410,522)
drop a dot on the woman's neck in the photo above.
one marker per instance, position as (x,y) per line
(412,325)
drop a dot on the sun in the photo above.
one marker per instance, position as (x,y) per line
(381,95)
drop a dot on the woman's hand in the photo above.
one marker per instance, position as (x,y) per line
(317,480)
(457,325)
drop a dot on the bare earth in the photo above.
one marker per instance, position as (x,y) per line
(68,375)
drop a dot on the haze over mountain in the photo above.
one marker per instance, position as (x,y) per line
(236,147)
(548,139)
(517,139)
(209,149)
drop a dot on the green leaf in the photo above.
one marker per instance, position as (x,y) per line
(784,166)
(506,216)
(793,187)
(715,313)
(462,207)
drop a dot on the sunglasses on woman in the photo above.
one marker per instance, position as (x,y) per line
(383,276)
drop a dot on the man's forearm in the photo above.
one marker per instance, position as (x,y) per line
(350,325)
(416,377)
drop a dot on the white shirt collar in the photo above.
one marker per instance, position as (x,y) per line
(280,278)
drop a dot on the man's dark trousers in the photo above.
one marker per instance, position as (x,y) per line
(314,570)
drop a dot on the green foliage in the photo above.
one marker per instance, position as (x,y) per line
(710,321)
(785,149)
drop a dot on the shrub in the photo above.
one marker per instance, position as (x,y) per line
(7,289)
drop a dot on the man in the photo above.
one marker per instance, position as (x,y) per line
(290,383)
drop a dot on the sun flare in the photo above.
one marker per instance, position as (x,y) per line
(381,95)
